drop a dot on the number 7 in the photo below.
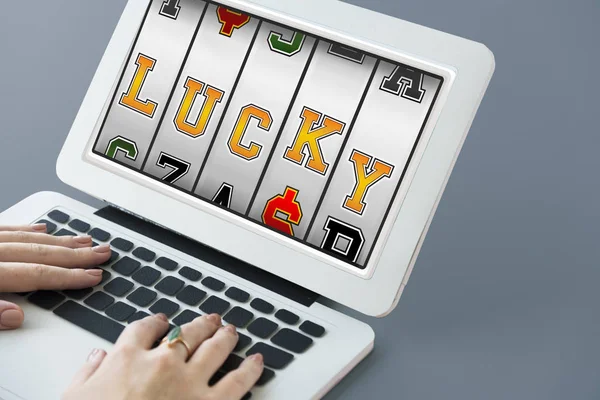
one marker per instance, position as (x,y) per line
(180,167)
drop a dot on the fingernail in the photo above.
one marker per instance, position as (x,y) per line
(93,354)
(257,358)
(105,248)
(82,239)
(162,316)
(11,319)
(94,272)
(39,227)
(216,318)
(231,329)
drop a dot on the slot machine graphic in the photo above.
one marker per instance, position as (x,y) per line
(290,131)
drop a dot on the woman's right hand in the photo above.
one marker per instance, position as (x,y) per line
(136,371)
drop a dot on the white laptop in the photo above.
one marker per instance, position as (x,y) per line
(255,158)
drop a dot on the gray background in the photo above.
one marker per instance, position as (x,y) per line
(504,300)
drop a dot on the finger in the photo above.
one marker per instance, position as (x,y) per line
(92,363)
(213,352)
(54,255)
(11,315)
(194,333)
(238,382)
(21,277)
(73,242)
(144,332)
(25,228)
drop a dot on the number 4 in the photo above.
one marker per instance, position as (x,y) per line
(180,167)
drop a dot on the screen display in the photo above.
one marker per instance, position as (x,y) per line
(285,129)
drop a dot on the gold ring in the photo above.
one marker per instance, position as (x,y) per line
(174,337)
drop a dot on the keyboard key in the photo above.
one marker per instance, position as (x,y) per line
(262,327)
(243,342)
(46,299)
(238,317)
(237,294)
(79,225)
(213,284)
(99,301)
(216,378)
(287,317)
(265,377)
(169,286)
(185,317)
(113,257)
(292,340)
(146,276)
(190,274)
(214,305)
(78,294)
(105,277)
(122,244)
(142,296)
(118,286)
(191,295)
(89,320)
(99,234)
(120,311)
(50,227)
(262,306)
(65,232)
(165,306)
(312,329)
(137,316)
(144,254)
(166,263)
(232,362)
(126,266)
(274,357)
(59,216)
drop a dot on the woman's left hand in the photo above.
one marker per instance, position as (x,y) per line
(32,260)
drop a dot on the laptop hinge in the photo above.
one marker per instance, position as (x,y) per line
(208,254)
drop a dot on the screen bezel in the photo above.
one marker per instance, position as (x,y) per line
(388,274)
(245,222)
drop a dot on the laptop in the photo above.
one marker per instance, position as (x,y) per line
(255,158)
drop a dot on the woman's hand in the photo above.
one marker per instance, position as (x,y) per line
(135,371)
(32,260)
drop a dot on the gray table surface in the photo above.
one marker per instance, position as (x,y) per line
(504,300)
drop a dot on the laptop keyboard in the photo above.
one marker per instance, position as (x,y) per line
(138,281)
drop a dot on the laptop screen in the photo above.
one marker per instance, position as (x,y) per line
(290,131)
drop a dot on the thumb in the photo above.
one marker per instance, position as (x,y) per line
(92,363)
(11,315)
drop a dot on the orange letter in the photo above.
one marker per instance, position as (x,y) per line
(193,89)
(364,180)
(131,98)
(231,20)
(235,141)
(309,135)
(286,204)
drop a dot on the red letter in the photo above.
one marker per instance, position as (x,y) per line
(231,20)
(287,205)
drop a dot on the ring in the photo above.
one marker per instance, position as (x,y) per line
(175,336)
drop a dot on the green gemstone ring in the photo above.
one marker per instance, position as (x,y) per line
(175,336)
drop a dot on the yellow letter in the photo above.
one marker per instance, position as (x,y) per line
(309,136)
(364,180)
(235,141)
(193,89)
(131,98)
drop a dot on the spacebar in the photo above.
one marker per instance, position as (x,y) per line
(90,320)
